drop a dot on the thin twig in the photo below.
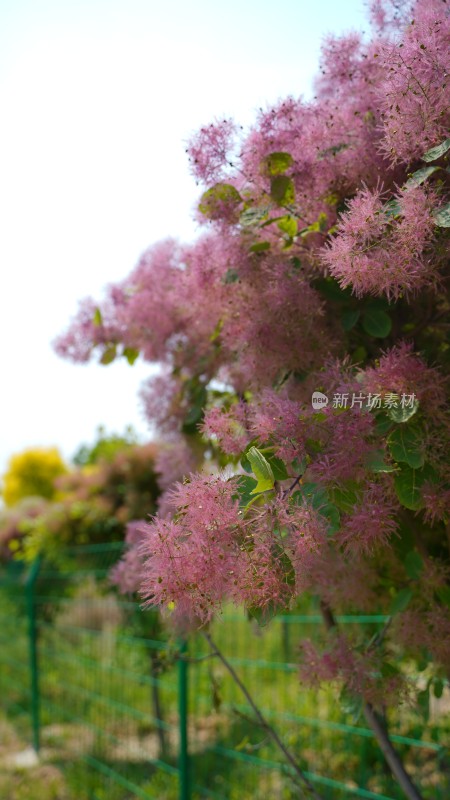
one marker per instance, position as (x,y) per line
(377,725)
(292,486)
(195,659)
(261,719)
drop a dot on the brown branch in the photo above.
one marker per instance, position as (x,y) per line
(262,720)
(377,725)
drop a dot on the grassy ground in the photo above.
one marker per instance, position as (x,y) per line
(21,777)
(109,710)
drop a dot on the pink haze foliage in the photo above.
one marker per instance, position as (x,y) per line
(128,573)
(374,254)
(329,206)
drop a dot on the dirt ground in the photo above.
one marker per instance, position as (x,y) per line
(22,775)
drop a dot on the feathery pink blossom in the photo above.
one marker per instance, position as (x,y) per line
(372,522)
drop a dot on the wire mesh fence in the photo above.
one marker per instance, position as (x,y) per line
(126,710)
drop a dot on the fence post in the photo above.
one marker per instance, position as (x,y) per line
(33,653)
(185,791)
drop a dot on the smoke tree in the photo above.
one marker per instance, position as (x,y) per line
(303,342)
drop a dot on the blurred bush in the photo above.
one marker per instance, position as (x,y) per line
(32,474)
(91,503)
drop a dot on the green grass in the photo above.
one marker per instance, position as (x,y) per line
(101,664)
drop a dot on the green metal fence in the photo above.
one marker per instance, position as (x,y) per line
(126,710)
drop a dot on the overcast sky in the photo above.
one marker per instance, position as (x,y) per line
(98,98)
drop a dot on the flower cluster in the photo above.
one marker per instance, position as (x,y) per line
(211,552)
(372,521)
(377,253)
(415,94)
(329,203)
(210,150)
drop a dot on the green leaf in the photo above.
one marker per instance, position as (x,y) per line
(405,444)
(332,290)
(288,225)
(438,687)
(383,424)
(313,494)
(278,468)
(284,563)
(444,595)
(276,163)
(217,331)
(263,615)
(359,355)
(332,151)
(403,413)
(262,470)
(282,190)
(441,216)
(419,177)
(437,152)
(131,354)
(389,670)
(376,322)
(253,215)
(408,483)
(245,464)
(401,601)
(109,354)
(198,397)
(423,702)
(392,208)
(98,319)
(260,247)
(245,486)
(318,498)
(346,496)
(413,565)
(350,318)
(332,514)
(215,202)
(319,226)
(231,276)
(242,744)
(376,462)
(350,703)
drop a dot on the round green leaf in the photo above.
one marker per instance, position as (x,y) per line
(231,276)
(282,190)
(376,463)
(413,564)
(275,163)
(392,208)
(408,483)
(377,323)
(400,413)
(216,201)
(253,215)
(405,444)
(260,247)
(288,225)
(350,318)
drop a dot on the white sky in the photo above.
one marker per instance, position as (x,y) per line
(98,98)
